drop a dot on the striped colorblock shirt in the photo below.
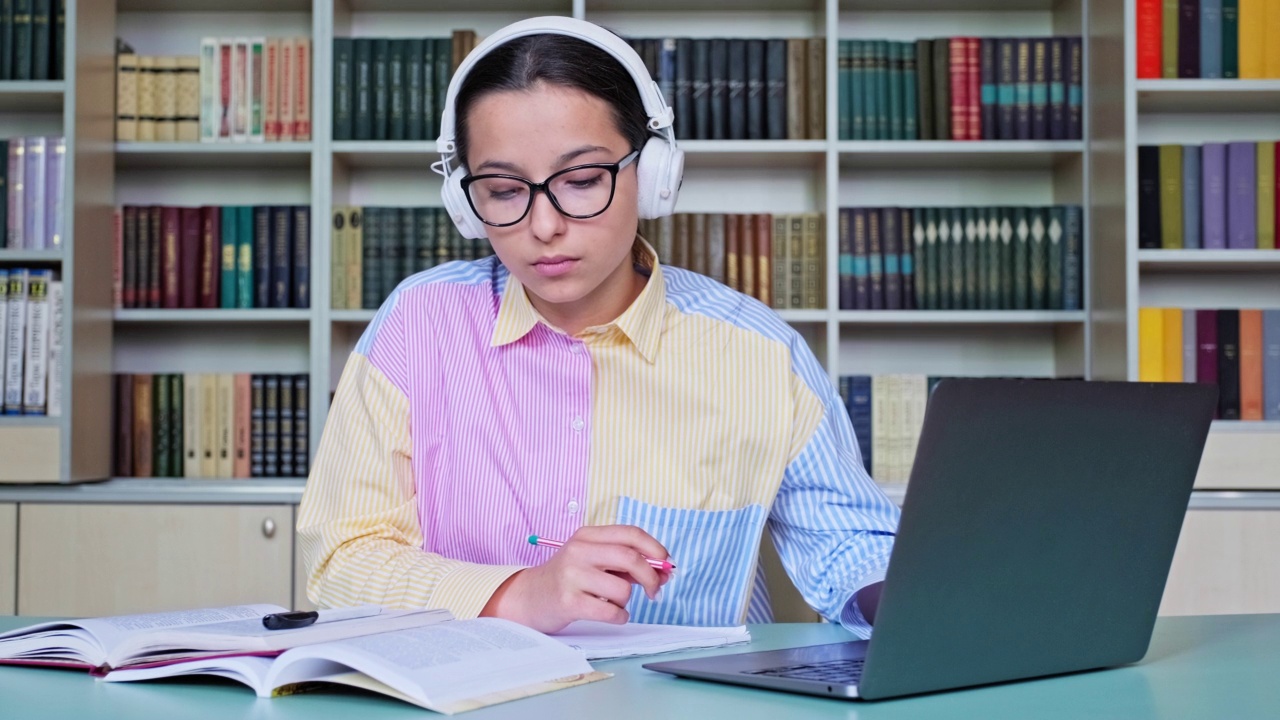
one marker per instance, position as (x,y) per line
(463,423)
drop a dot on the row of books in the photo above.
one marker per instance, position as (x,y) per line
(961,88)
(1213,196)
(778,259)
(207,425)
(740,88)
(393,88)
(212,257)
(374,248)
(1207,39)
(235,90)
(961,258)
(887,412)
(31,179)
(33,40)
(1238,350)
(31,317)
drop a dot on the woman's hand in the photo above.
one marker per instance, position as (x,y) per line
(590,578)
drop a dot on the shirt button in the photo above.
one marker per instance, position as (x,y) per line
(578,424)
(573,507)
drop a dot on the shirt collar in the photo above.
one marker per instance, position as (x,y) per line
(641,323)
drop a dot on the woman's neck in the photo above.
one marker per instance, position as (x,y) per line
(599,307)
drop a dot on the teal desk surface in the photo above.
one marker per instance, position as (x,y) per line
(1197,667)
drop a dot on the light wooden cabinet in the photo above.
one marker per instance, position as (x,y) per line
(80,560)
(8,556)
(1225,563)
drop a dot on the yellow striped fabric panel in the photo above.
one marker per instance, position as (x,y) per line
(358,521)
(711,424)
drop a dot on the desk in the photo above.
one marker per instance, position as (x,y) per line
(1197,667)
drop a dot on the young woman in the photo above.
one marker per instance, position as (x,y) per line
(572,388)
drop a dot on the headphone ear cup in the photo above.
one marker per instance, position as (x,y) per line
(455,203)
(659,171)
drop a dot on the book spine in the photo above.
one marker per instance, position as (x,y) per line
(155,241)
(875,259)
(1022,89)
(1169,39)
(343,75)
(910,99)
(1150,345)
(1210,39)
(844,85)
(123,446)
(130,253)
(271,89)
(162,426)
(775,52)
(1230,39)
(1171,334)
(1040,89)
(191,431)
(187,102)
(1188,346)
(176,429)
(756,125)
(973,75)
(924,90)
(166,103)
(239,90)
(764,242)
(271,426)
(224,459)
(1058,88)
(816,78)
(942,88)
(1189,38)
(1253,24)
(36,362)
(1271,364)
(1055,299)
(255,79)
(1191,193)
(988,89)
(1073,261)
(968,219)
(210,111)
(301,297)
(281,257)
(227,107)
(1170,197)
(241,411)
(1149,215)
(126,96)
(1021,259)
(301,425)
(261,256)
(257,426)
(737,89)
(1251,364)
(797,123)
(23,38)
(959,89)
(57,315)
(301,85)
(845,251)
(1228,364)
(371,258)
(893,81)
(355,254)
(284,441)
(1242,211)
(413,69)
(209,425)
(432,95)
(1075,88)
(54,198)
(33,216)
(6,40)
(1213,161)
(143,409)
(242,289)
(891,238)
(1148,25)
(1006,91)
(190,227)
(397,113)
(683,92)
(1266,202)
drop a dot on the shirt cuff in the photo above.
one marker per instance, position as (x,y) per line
(851,617)
(467,589)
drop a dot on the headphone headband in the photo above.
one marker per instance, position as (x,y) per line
(655,105)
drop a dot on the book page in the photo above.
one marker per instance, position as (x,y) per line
(603,641)
(251,671)
(443,665)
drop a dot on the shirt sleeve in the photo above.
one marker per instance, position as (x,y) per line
(358,524)
(832,524)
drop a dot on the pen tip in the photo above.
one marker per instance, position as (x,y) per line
(533,539)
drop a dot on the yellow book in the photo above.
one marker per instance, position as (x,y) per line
(127,97)
(146,129)
(208,425)
(1150,348)
(224,457)
(1171,334)
(1271,53)
(1267,192)
(1253,26)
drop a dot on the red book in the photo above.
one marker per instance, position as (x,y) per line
(117,255)
(973,66)
(959,88)
(190,255)
(1207,346)
(1149,38)
(208,267)
(171,260)
(155,245)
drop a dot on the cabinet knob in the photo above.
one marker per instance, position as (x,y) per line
(268,528)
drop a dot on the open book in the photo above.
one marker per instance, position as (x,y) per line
(448,667)
(100,644)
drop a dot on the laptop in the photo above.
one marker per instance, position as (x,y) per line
(1036,536)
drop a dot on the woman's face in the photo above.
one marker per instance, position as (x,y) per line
(578,272)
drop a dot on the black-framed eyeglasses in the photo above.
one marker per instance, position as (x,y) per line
(579,192)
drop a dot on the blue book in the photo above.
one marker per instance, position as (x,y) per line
(1191,196)
(1271,364)
(987,87)
(1072,257)
(844,85)
(859,406)
(857,90)
(910,128)
(1022,89)
(1075,88)
(261,256)
(1006,97)
(894,82)
(1040,89)
(1210,38)
(881,75)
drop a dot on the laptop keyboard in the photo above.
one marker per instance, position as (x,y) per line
(845,672)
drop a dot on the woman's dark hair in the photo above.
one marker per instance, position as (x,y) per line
(521,63)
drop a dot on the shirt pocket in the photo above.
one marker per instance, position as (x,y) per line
(715,552)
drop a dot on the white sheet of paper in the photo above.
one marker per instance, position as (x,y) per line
(603,641)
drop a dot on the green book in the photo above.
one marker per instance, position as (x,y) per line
(381,87)
(984,279)
(883,131)
(393,250)
(343,75)
(444,235)
(1038,261)
(1171,197)
(1230,38)
(161,428)
(991,216)
(371,262)
(1057,228)
(425,226)
(969,219)
(409,239)
(933,260)
(413,90)
(1021,258)
(955,217)
(427,63)
(920,257)
(229,246)
(871,88)
(176,441)
(362,84)
(894,83)
(1169,39)
(444,72)
(844,84)
(397,89)
(23,37)
(910,129)
(244,256)
(6,40)
(857,90)
(41,38)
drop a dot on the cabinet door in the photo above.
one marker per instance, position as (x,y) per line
(8,556)
(1225,563)
(113,559)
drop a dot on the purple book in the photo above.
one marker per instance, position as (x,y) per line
(1242,196)
(1213,189)
(1207,346)
(33,194)
(17,149)
(55,152)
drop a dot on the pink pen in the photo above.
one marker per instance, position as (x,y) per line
(664,565)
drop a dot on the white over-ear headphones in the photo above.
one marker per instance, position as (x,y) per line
(661,163)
